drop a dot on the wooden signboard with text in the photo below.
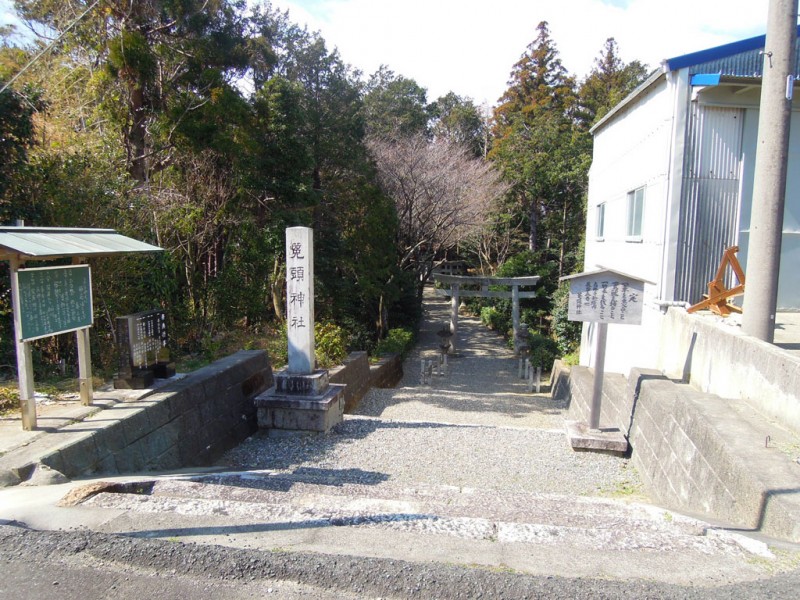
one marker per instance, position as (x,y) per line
(54,300)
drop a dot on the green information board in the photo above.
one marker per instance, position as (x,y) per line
(54,300)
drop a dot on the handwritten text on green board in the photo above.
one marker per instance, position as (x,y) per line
(54,300)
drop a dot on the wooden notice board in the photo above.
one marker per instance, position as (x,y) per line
(54,300)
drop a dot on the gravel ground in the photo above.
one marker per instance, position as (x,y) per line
(498,458)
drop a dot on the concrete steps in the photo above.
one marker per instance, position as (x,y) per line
(759,461)
(699,453)
(304,500)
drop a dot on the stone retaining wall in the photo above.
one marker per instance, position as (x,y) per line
(387,372)
(690,448)
(187,423)
(354,372)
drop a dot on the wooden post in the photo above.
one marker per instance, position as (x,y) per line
(599,368)
(84,367)
(27,401)
(85,386)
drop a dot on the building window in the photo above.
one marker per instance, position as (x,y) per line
(601,221)
(635,212)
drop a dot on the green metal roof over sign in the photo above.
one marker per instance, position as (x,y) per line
(41,243)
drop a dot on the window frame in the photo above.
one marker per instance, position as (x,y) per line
(600,224)
(635,214)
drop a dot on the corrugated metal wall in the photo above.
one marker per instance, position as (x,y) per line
(710,196)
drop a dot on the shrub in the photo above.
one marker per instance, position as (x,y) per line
(397,341)
(543,351)
(330,342)
(495,319)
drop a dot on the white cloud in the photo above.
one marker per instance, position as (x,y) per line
(469,46)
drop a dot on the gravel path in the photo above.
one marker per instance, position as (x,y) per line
(474,426)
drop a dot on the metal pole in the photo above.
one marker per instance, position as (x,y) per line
(769,184)
(27,401)
(599,368)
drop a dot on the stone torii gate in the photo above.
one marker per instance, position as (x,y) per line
(456,293)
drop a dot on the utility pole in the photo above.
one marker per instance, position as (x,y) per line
(769,185)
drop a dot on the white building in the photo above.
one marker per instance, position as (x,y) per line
(670,188)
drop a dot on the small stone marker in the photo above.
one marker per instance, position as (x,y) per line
(142,347)
(602,297)
(302,398)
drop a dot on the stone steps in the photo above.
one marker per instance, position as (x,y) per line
(305,500)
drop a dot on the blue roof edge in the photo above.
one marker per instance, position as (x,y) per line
(709,54)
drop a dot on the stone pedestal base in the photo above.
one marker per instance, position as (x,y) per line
(164,370)
(605,439)
(140,379)
(301,403)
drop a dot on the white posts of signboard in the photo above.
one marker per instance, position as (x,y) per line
(300,299)
(603,297)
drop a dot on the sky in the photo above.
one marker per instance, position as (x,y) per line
(469,46)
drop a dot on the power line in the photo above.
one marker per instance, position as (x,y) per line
(48,47)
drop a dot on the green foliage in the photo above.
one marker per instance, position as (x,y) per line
(16,131)
(9,399)
(459,120)
(395,106)
(572,359)
(608,83)
(567,333)
(543,351)
(397,341)
(330,343)
(495,319)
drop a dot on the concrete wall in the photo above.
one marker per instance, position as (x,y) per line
(717,358)
(387,372)
(354,373)
(693,453)
(190,422)
(709,352)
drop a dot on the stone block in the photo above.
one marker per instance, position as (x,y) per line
(303,414)
(603,440)
(54,460)
(108,465)
(293,384)
(169,459)
(79,455)
(141,379)
(136,425)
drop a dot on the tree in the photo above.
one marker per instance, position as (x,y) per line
(441,194)
(162,61)
(607,84)
(539,82)
(395,105)
(460,121)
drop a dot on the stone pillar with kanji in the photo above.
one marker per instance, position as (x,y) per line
(300,299)
(302,398)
